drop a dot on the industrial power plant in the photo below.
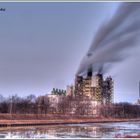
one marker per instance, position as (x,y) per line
(90,90)
(94,87)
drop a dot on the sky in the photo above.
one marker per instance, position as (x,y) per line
(42,44)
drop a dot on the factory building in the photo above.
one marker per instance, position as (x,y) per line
(78,87)
(86,96)
(94,87)
(107,93)
(70,90)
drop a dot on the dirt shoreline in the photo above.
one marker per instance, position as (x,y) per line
(14,123)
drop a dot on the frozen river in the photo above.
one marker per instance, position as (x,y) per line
(90,130)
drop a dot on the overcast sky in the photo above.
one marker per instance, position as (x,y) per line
(42,44)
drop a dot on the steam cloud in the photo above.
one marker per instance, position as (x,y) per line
(113,39)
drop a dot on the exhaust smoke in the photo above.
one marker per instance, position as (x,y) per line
(113,39)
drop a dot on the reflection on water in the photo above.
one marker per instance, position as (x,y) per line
(90,130)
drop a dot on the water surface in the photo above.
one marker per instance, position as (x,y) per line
(87,130)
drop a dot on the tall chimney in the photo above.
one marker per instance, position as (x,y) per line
(89,73)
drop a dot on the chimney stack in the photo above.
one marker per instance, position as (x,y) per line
(89,73)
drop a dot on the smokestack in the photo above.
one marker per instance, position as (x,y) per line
(89,73)
(100,76)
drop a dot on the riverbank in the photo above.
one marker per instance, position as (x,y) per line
(14,123)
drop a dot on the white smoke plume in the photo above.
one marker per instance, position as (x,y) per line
(113,39)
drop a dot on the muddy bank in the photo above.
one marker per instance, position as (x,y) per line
(14,123)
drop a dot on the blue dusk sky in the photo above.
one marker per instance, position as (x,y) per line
(42,44)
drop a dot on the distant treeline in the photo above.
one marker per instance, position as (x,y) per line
(120,110)
(57,91)
(66,105)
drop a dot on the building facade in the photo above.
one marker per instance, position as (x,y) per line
(95,88)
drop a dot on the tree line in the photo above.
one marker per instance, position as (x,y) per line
(65,105)
(57,91)
(120,110)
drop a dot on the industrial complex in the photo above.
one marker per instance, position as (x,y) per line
(88,90)
(94,87)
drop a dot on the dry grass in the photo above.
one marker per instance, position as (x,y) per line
(41,119)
